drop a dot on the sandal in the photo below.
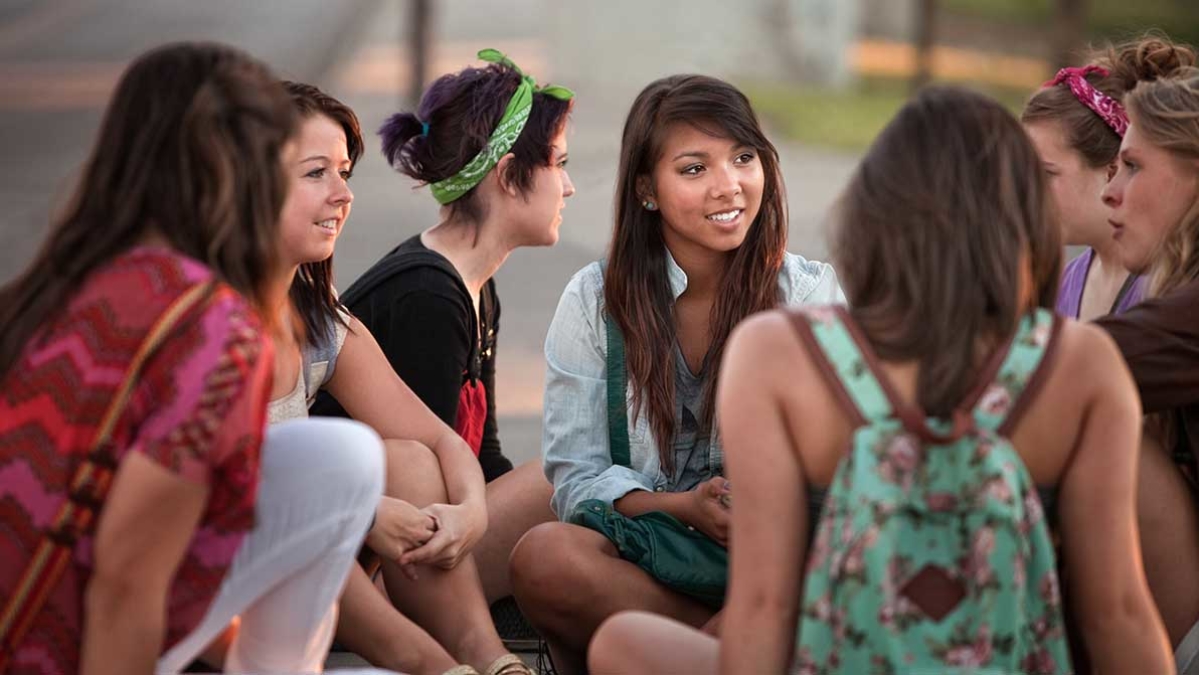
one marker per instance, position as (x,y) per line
(461,670)
(508,664)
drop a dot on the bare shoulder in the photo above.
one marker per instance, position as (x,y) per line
(1090,372)
(768,347)
(771,330)
(1088,355)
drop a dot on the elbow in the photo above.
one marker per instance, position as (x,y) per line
(1132,625)
(762,607)
(115,593)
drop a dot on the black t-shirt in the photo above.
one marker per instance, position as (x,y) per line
(418,308)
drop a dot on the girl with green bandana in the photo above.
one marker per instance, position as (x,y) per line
(699,244)
(491,145)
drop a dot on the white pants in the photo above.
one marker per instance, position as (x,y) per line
(319,486)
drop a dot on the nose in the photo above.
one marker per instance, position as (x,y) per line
(568,186)
(342,194)
(725,183)
(1113,192)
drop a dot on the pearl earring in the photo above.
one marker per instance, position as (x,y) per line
(649,205)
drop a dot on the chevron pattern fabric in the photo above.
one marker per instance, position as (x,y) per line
(198,410)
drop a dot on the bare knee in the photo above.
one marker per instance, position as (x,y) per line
(413,473)
(549,564)
(611,646)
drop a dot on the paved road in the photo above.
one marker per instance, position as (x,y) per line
(59,60)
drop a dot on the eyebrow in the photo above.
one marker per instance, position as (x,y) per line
(703,155)
(322,158)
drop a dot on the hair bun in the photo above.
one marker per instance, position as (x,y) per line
(396,132)
(1148,59)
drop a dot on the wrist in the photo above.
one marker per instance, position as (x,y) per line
(681,505)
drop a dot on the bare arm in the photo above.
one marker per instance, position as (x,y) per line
(370,391)
(769,523)
(1109,594)
(144,529)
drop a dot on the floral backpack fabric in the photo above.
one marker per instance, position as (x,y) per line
(932,553)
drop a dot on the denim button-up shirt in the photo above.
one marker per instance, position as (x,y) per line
(575,429)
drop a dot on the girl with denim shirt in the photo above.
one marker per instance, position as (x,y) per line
(699,244)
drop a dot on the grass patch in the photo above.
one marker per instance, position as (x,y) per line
(1114,20)
(843,119)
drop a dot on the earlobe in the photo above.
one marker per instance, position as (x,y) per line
(645,194)
(501,174)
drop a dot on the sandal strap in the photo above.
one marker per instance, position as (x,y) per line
(508,664)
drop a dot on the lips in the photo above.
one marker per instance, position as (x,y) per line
(329,224)
(725,216)
(1117,229)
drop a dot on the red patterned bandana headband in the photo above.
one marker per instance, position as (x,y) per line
(1107,108)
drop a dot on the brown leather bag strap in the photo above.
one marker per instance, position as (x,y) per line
(87,490)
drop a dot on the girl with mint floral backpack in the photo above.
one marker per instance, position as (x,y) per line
(932,554)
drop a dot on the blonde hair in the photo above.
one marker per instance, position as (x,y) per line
(1166,112)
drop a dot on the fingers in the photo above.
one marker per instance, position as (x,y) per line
(433,550)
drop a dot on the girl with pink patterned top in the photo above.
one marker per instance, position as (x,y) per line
(183,188)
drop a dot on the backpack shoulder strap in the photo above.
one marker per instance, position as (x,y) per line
(397,262)
(392,264)
(1005,392)
(617,383)
(847,365)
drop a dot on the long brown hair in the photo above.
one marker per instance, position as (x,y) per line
(188,149)
(636,287)
(1166,112)
(1143,60)
(942,219)
(311,290)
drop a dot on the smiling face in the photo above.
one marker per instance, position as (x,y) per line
(708,189)
(319,201)
(1148,197)
(1075,186)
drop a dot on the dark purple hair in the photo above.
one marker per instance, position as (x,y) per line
(462,110)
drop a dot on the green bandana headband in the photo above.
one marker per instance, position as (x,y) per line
(504,136)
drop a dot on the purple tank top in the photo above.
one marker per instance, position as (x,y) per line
(1074,278)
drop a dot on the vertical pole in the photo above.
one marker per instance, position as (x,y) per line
(419,41)
(926,24)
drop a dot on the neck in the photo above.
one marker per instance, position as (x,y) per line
(1107,257)
(705,270)
(476,250)
(282,284)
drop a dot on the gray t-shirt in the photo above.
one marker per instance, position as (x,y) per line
(691,463)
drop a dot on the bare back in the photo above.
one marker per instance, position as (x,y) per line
(1045,435)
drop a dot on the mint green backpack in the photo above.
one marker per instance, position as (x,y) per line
(932,553)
